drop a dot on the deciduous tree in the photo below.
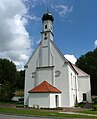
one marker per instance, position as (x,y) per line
(88,63)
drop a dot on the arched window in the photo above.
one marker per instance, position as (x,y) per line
(46,26)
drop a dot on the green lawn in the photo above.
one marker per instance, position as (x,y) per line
(35,112)
(89,112)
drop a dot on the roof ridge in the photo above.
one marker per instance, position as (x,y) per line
(47,85)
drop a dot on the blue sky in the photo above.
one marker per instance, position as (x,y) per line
(75,30)
(74,27)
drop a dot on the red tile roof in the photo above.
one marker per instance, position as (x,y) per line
(44,87)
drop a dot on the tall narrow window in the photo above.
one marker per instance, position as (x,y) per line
(84,97)
(56,100)
(46,26)
(45,34)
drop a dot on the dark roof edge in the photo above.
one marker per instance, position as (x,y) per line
(44,92)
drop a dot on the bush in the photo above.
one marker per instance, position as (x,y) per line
(81,104)
(94,100)
(94,107)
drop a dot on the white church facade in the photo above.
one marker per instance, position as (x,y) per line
(50,79)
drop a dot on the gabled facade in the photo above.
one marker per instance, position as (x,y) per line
(47,65)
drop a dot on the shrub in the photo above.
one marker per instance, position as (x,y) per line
(94,107)
(81,104)
(94,100)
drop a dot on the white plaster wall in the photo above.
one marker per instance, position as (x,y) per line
(49,23)
(84,87)
(45,44)
(53,101)
(73,86)
(45,56)
(61,82)
(45,74)
(46,100)
(29,81)
(41,99)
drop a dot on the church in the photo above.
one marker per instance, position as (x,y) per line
(50,79)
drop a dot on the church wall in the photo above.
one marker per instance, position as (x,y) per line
(73,87)
(84,87)
(45,100)
(40,99)
(53,100)
(61,82)
(44,74)
(48,64)
(29,81)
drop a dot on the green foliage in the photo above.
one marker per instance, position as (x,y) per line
(10,79)
(94,100)
(81,104)
(88,63)
(7,71)
(20,80)
(95,107)
(7,92)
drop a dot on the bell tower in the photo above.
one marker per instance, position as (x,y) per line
(47,24)
(46,36)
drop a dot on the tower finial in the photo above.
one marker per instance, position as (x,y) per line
(47,9)
(47,16)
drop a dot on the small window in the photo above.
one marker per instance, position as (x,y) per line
(45,34)
(45,26)
(45,38)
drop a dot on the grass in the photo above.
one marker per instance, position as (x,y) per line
(35,112)
(89,112)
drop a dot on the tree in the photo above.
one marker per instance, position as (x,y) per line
(88,63)
(20,80)
(8,77)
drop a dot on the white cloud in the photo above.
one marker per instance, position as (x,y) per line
(30,3)
(15,43)
(95,43)
(38,41)
(33,17)
(71,58)
(62,10)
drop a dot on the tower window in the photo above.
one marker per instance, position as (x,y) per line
(45,38)
(45,34)
(46,26)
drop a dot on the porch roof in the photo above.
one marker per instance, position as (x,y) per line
(44,87)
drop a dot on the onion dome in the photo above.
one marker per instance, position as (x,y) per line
(47,16)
